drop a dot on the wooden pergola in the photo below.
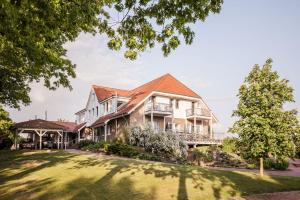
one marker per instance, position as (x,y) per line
(41,127)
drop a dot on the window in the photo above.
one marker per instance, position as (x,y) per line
(97,112)
(177,104)
(93,112)
(89,114)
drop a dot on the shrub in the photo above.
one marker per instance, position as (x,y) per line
(202,155)
(6,143)
(84,143)
(167,145)
(281,164)
(251,166)
(101,144)
(139,136)
(124,135)
(269,163)
(118,148)
(148,156)
(229,145)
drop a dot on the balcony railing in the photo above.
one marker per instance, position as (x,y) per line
(198,112)
(194,138)
(159,107)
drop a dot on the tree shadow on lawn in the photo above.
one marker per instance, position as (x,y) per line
(122,178)
(224,184)
(24,163)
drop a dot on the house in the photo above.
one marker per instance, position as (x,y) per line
(165,103)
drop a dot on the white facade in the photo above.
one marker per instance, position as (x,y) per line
(95,109)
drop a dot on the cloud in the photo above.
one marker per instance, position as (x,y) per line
(95,64)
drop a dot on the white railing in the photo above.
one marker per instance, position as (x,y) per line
(160,107)
(198,112)
(195,138)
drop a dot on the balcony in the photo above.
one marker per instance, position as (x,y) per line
(194,139)
(198,112)
(159,109)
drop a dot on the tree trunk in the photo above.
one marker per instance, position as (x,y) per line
(261,167)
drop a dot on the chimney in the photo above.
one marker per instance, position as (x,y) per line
(46,115)
(35,116)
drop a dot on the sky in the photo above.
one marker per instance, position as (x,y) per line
(225,48)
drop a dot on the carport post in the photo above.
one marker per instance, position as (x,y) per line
(40,134)
(58,141)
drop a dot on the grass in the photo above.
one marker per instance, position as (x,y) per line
(61,175)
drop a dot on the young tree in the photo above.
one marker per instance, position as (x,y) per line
(264,127)
(32,35)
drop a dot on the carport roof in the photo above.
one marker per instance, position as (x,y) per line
(40,124)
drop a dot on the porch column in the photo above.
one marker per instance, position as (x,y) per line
(116,123)
(57,140)
(152,104)
(173,108)
(185,125)
(194,125)
(105,132)
(164,128)
(93,134)
(33,139)
(78,136)
(40,134)
(210,129)
(65,134)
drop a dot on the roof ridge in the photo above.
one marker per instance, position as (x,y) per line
(106,87)
(148,83)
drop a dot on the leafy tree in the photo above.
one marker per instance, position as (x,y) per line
(32,35)
(265,129)
(5,123)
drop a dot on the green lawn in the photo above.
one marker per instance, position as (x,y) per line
(61,175)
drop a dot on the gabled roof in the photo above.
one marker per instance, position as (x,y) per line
(39,124)
(166,83)
(103,93)
(44,124)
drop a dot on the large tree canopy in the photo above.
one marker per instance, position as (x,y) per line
(264,127)
(32,34)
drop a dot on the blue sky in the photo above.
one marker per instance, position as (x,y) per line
(225,48)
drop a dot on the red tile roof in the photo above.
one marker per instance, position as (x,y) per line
(68,126)
(103,93)
(44,124)
(39,124)
(166,83)
(79,126)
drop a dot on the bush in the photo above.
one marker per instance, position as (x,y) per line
(6,143)
(229,145)
(281,164)
(166,145)
(84,143)
(269,163)
(202,155)
(118,148)
(148,156)
(251,166)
